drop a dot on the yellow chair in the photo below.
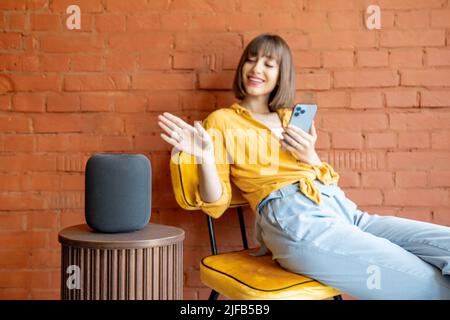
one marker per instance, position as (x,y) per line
(239,275)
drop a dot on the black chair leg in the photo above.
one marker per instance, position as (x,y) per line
(338,297)
(242,226)
(214,295)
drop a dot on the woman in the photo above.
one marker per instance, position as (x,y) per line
(302,215)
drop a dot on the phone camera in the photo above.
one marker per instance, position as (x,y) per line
(299,110)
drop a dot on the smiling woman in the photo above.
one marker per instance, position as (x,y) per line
(266,72)
(302,216)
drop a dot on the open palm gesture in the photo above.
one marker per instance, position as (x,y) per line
(193,140)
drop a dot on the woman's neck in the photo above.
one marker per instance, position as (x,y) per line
(258,104)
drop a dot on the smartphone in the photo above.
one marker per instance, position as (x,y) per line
(303,115)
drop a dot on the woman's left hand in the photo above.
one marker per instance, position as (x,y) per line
(301,144)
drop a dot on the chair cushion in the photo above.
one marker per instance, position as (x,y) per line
(183,172)
(238,275)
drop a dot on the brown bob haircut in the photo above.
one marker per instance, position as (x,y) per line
(273,46)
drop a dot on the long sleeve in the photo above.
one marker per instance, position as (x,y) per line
(326,174)
(323,172)
(217,208)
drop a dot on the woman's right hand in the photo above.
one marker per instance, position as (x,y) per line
(193,140)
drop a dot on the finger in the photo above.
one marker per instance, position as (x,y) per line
(290,148)
(174,134)
(288,140)
(283,145)
(177,121)
(313,130)
(165,128)
(168,139)
(294,136)
(300,132)
(168,122)
(200,128)
(175,127)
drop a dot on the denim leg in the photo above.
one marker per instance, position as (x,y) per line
(428,241)
(366,266)
(318,242)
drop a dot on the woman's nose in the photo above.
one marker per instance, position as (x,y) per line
(257,68)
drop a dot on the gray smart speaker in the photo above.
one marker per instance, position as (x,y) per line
(118,192)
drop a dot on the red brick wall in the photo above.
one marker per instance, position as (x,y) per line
(383,96)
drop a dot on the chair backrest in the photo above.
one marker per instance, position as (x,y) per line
(183,171)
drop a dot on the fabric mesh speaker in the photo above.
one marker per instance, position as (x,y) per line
(118,192)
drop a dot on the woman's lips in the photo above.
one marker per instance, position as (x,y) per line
(255,82)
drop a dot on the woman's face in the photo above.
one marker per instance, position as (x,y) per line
(260,75)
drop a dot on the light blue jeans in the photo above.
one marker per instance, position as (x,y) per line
(367,256)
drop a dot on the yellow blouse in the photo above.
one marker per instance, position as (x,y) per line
(250,154)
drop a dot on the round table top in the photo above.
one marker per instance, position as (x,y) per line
(152,235)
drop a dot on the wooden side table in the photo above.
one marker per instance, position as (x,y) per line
(144,265)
